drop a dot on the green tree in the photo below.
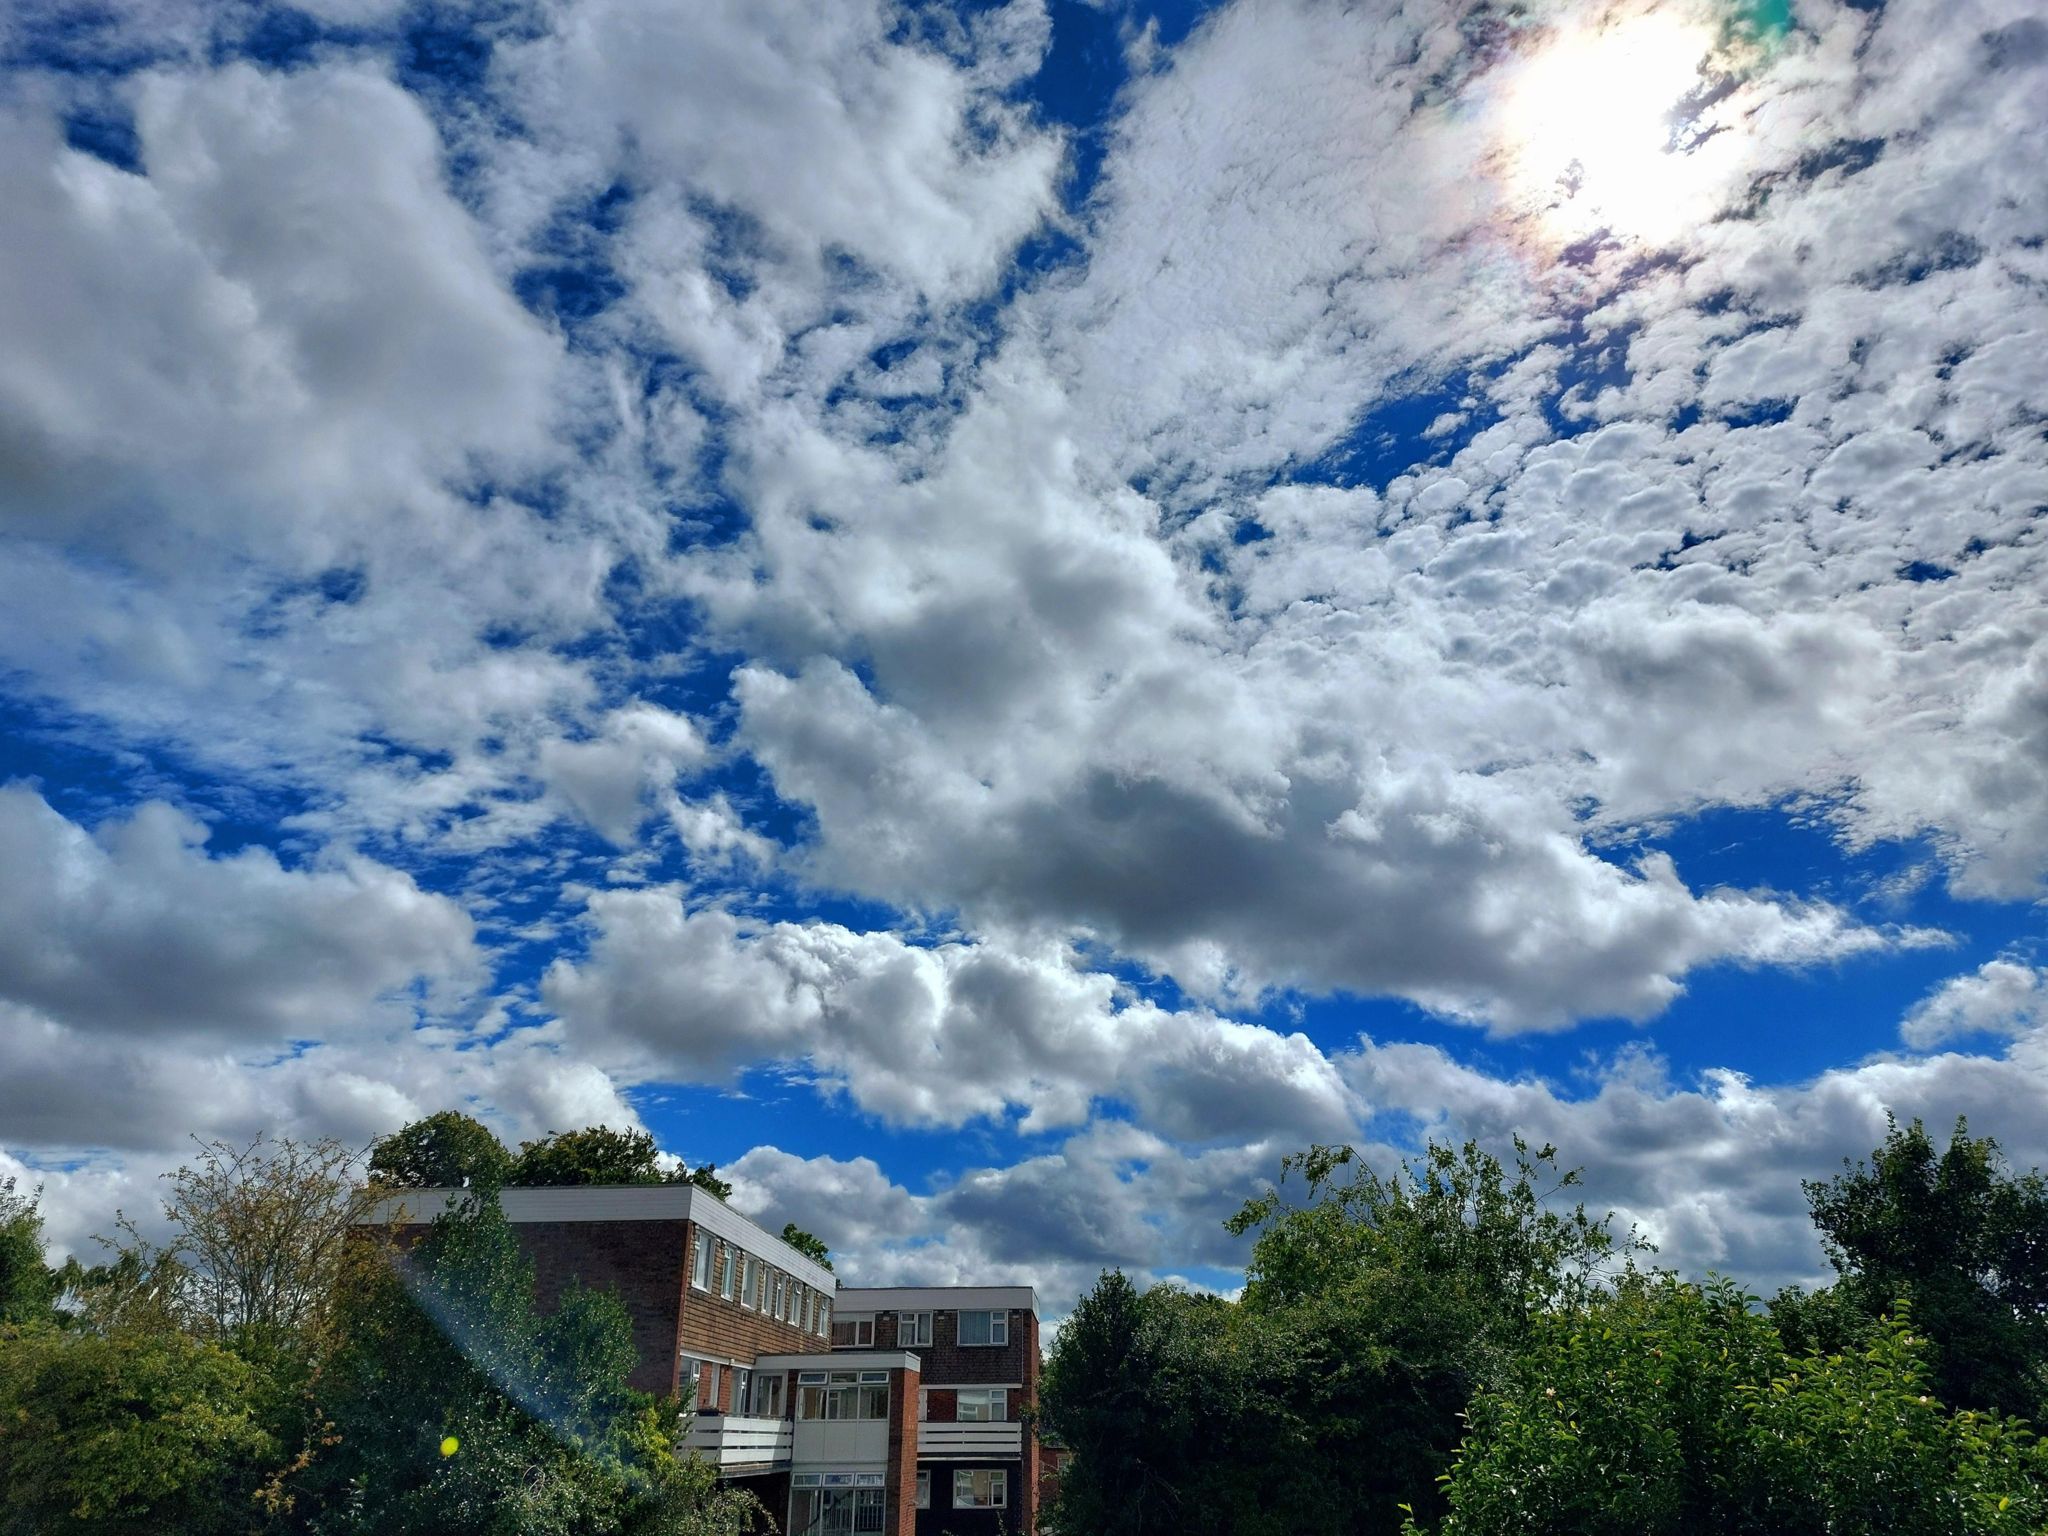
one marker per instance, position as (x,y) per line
(802,1241)
(28,1286)
(600,1155)
(109,1434)
(1963,1240)
(1402,1296)
(1173,1404)
(1668,1409)
(448,1150)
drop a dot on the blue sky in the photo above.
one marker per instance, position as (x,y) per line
(993,616)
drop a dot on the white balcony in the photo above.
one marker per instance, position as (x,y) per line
(730,1441)
(970,1442)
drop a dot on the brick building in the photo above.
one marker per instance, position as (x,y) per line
(900,1412)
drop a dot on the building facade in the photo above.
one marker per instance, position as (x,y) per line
(899,1412)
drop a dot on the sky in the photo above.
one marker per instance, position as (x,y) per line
(993,617)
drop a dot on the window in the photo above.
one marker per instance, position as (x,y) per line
(983,1405)
(835,1511)
(742,1389)
(725,1274)
(981,1490)
(717,1401)
(700,1265)
(768,1395)
(854,1333)
(924,1489)
(687,1377)
(774,1294)
(799,1299)
(835,1395)
(824,1319)
(913,1329)
(746,1279)
(984,1327)
(924,1404)
(760,1287)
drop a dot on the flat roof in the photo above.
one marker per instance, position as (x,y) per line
(617,1202)
(857,1299)
(842,1360)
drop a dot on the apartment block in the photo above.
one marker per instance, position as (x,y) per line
(894,1411)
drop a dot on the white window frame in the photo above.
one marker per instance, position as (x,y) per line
(725,1274)
(998,1331)
(924,1404)
(913,1330)
(922,1499)
(746,1279)
(767,1399)
(857,1324)
(761,1286)
(700,1263)
(824,1319)
(774,1292)
(998,1488)
(994,1401)
(689,1382)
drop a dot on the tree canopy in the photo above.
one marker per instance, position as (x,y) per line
(806,1244)
(600,1155)
(1965,1241)
(448,1150)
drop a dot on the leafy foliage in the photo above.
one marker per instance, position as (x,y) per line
(1670,1409)
(804,1243)
(262,1233)
(28,1286)
(448,1150)
(600,1155)
(127,1431)
(1966,1243)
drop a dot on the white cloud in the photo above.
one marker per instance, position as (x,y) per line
(136,930)
(2001,997)
(933,1035)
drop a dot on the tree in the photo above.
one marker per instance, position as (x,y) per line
(458,1407)
(28,1286)
(600,1155)
(448,1150)
(260,1235)
(1668,1409)
(1966,1243)
(1172,1403)
(803,1242)
(106,1434)
(1402,1297)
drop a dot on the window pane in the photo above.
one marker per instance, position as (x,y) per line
(923,1498)
(810,1402)
(974,1328)
(999,1327)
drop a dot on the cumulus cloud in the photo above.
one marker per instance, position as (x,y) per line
(1710,1170)
(136,929)
(2001,997)
(935,1034)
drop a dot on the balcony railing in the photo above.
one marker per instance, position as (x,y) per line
(993,1441)
(733,1440)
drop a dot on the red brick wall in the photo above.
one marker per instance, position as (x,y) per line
(719,1329)
(899,1516)
(946,1359)
(644,1263)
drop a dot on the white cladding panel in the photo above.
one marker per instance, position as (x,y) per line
(860,1301)
(853,1444)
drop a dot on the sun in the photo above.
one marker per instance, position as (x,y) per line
(1590,131)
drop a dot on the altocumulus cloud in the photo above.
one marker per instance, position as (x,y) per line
(1086,628)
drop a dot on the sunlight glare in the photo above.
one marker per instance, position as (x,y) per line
(1588,130)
